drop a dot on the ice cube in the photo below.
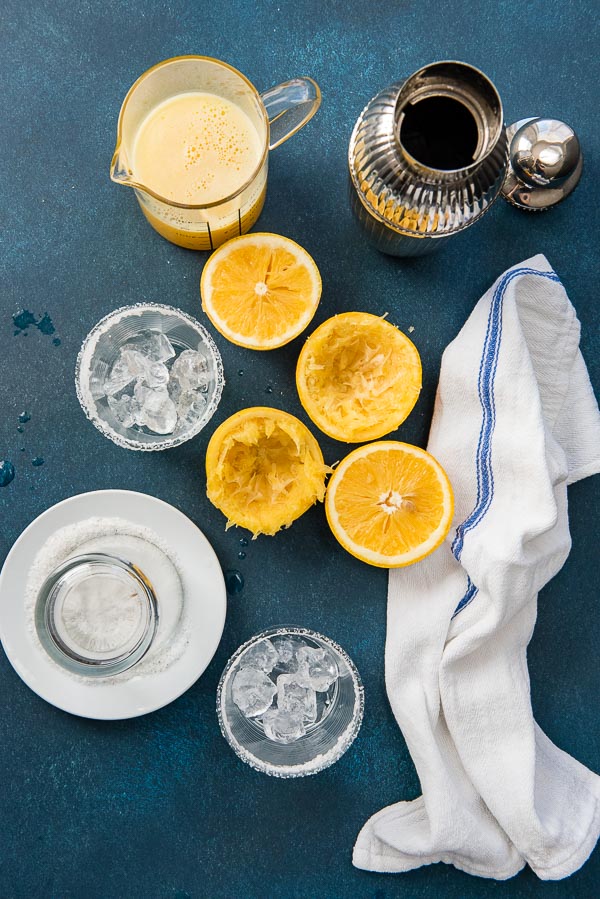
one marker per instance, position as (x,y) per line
(318,668)
(262,655)
(122,410)
(156,375)
(296,698)
(190,407)
(252,691)
(127,368)
(191,370)
(287,647)
(152,344)
(283,727)
(156,409)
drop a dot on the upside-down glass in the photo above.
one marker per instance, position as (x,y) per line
(276,114)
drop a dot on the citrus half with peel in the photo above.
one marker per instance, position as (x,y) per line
(389,503)
(358,377)
(260,290)
(264,469)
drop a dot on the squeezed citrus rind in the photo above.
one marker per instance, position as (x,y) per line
(264,469)
(365,385)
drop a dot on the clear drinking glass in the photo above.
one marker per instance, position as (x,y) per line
(339,712)
(100,351)
(96,615)
(276,114)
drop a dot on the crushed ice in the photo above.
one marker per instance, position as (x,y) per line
(277,684)
(151,385)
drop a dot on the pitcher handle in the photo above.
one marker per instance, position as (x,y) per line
(289,107)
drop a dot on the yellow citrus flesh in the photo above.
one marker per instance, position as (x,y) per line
(260,290)
(264,469)
(358,377)
(389,503)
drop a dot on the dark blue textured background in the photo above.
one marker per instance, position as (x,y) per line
(159,806)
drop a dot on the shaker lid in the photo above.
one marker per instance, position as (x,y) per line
(545,163)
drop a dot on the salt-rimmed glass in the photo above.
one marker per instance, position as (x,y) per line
(66,593)
(100,351)
(324,742)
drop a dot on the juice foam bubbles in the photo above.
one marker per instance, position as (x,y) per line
(196,148)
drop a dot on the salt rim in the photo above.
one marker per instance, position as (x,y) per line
(323,760)
(57,549)
(82,376)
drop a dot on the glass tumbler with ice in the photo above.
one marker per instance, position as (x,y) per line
(290,702)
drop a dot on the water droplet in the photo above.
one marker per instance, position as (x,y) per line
(243,541)
(241,555)
(269,389)
(7,472)
(24,417)
(56,341)
(37,461)
(23,319)
(240,371)
(234,581)
(45,324)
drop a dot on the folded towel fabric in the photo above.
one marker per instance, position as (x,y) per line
(515,422)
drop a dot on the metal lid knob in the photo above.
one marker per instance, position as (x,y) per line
(545,163)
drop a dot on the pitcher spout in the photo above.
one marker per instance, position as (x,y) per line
(119,167)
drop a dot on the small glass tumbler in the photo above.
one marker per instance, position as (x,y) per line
(96,615)
(101,350)
(334,724)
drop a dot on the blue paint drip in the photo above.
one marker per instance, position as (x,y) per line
(7,472)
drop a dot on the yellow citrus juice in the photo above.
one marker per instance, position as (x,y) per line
(196,149)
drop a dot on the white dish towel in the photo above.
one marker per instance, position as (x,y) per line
(515,422)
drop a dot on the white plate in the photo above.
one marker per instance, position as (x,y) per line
(205,597)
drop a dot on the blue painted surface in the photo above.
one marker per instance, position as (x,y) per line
(160,807)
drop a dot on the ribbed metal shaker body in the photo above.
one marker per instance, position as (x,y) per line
(407,208)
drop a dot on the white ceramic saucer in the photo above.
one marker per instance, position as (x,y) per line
(204,589)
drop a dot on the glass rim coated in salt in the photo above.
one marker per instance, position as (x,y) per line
(275,114)
(101,351)
(328,728)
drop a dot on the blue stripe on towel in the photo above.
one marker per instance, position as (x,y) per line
(485,387)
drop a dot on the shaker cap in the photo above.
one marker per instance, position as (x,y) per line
(545,163)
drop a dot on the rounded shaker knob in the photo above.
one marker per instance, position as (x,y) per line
(545,163)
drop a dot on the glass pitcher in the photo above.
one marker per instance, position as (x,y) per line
(275,114)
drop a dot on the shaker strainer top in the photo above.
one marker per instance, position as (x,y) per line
(428,155)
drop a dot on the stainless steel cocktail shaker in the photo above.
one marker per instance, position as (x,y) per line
(427,158)
(429,155)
